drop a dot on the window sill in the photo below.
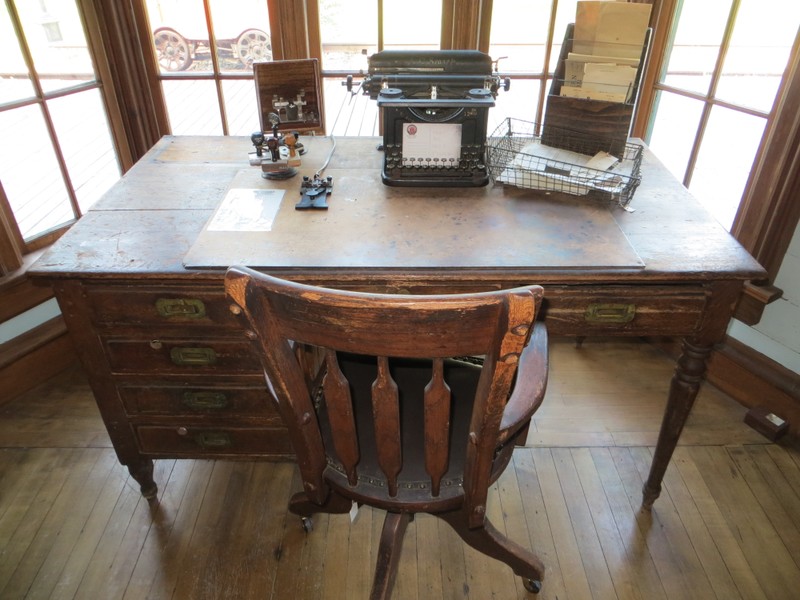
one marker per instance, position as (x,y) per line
(19,293)
(753,301)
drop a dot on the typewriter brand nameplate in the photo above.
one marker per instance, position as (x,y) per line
(373,226)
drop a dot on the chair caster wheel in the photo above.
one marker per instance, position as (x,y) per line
(532,585)
(307,524)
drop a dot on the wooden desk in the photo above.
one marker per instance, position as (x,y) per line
(173,374)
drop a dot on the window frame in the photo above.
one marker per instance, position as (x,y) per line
(135,124)
(12,245)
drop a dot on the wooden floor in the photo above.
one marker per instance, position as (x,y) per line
(727,525)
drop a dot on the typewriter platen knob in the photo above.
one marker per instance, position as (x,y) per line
(479,93)
(391,93)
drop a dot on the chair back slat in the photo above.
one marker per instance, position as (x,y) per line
(340,413)
(437,425)
(386,415)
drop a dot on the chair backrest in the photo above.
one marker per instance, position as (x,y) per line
(285,316)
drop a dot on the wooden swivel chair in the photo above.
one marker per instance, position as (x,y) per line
(390,419)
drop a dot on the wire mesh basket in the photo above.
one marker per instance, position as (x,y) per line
(527,155)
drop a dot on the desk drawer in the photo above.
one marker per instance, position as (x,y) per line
(161,306)
(213,441)
(623,311)
(182,356)
(199,401)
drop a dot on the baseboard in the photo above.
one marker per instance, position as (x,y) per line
(34,357)
(751,378)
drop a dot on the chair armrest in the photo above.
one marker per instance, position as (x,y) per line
(530,384)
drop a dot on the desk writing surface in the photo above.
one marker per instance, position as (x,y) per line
(148,222)
(373,226)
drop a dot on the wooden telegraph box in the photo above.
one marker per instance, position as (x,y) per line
(290,89)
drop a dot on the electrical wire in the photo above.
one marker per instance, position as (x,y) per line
(328,159)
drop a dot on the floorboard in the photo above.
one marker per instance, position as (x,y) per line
(727,525)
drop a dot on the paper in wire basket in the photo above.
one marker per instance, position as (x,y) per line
(570,162)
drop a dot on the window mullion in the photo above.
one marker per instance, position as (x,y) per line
(698,140)
(716,75)
(380,25)
(62,163)
(546,66)
(212,44)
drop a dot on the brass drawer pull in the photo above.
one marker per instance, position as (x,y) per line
(180,308)
(204,400)
(193,357)
(213,439)
(610,313)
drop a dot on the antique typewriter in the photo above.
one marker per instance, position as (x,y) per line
(435,107)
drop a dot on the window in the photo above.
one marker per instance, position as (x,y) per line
(723,65)
(525,41)
(57,156)
(205,51)
(350,33)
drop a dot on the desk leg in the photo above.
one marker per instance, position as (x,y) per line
(682,394)
(142,472)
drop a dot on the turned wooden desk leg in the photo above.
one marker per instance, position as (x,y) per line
(682,394)
(142,472)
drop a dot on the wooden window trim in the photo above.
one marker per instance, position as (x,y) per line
(294,29)
(102,41)
(104,23)
(769,211)
(128,68)
(11,242)
(466,24)
(19,292)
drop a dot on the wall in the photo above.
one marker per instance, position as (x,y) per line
(28,320)
(777,335)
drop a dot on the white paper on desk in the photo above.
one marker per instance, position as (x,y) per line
(610,28)
(245,209)
(431,143)
(542,167)
(602,161)
(537,156)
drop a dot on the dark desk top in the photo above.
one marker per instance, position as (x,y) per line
(373,226)
(152,223)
